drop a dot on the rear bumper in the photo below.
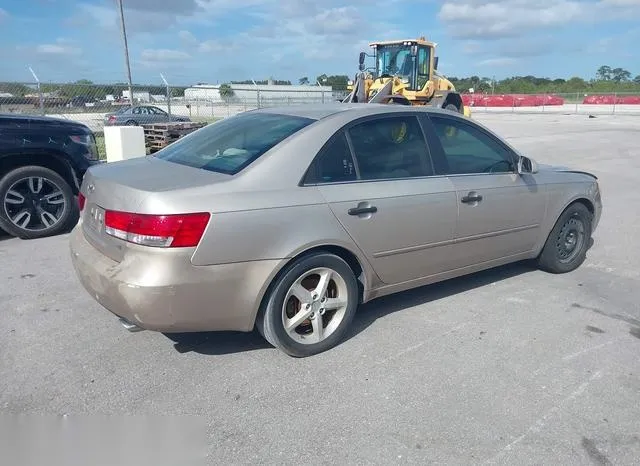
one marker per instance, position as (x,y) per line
(161,290)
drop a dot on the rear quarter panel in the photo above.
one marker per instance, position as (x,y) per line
(270,225)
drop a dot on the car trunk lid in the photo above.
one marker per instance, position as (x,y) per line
(126,187)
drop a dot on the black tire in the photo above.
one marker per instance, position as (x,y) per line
(270,320)
(66,213)
(131,123)
(452,108)
(566,247)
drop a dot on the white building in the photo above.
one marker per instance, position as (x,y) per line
(137,96)
(265,94)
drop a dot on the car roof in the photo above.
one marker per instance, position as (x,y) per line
(320,111)
(40,119)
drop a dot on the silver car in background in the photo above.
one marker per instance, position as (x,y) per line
(287,219)
(140,115)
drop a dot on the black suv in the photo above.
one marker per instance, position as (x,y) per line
(42,163)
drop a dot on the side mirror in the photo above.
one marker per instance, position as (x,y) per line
(435,63)
(361,59)
(527,165)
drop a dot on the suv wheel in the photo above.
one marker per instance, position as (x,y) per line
(36,202)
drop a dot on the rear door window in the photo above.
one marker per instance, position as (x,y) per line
(390,147)
(230,145)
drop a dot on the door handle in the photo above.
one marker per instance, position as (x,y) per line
(363,208)
(471,198)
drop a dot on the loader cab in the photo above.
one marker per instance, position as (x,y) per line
(409,60)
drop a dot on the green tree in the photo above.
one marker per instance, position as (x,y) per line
(575,84)
(337,82)
(15,89)
(604,73)
(620,75)
(303,81)
(226,92)
(636,80)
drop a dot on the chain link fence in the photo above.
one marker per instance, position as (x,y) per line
(92,104)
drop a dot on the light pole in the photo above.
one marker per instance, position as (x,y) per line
(126,52)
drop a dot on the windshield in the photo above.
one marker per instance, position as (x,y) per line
(230,145)
(396,60)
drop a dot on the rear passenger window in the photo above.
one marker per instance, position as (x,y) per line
(335,163)
(390,147)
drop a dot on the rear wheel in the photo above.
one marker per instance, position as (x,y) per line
(311,305)
(36,202)
(566,247)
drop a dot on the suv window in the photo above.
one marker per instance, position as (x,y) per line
(468,150)
(390,147)
(335,163)
(231,144)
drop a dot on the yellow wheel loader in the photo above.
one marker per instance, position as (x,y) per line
(405,73)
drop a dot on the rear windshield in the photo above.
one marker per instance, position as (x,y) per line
(230,145)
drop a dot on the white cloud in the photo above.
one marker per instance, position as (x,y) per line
(187,38)
(3,14)
(508,17)
(164,55)
(486,19)
(499,61)
(210,46)
(621,2)
(61,47)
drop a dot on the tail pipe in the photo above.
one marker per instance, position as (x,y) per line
(130,326)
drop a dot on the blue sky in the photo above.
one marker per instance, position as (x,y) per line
(213,41)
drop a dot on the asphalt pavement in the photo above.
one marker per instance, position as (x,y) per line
(509,366)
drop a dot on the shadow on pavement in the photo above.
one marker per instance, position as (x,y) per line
(220,343)
(386,305)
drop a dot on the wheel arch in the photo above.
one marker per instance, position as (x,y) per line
(582,200)
(576,200)
(50,160)
(447,98)
(354,262)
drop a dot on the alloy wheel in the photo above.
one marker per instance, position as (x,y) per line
(34,203)
(315,305)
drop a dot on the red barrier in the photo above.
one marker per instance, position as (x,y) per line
(511,100)
(611,100)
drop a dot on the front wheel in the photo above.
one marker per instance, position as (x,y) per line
(566,247)
(452,108)
(311,305)
(36,202)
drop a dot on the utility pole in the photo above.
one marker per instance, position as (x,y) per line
(126,52)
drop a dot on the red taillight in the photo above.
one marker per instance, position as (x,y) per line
(112,119)
(166,231)
(81,201)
